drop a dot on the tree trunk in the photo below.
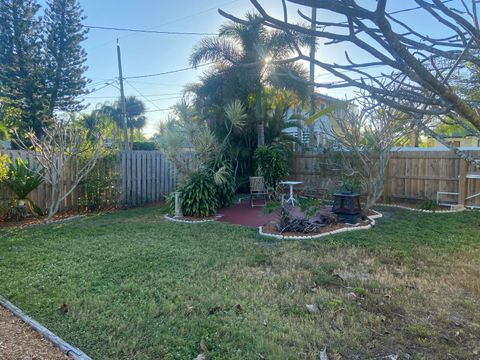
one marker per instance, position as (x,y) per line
(260,134)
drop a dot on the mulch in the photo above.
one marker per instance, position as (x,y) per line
(18,341)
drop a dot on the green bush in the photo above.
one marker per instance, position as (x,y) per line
(427,204)
(271,163)
(100,189)
(22,179)
(145,145)
(199,195)
(225,190)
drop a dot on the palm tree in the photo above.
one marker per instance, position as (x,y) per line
(277,119)
(247,58)
(135,110)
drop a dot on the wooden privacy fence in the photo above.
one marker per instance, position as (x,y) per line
(147,176)
(132,178)
(411,175)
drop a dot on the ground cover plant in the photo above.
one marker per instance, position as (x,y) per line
(130,285)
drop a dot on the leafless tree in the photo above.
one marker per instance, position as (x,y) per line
(417,66)
(61,147)
(365,138)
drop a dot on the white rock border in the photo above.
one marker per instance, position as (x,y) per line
(179,220)
(372,218)
(458,209)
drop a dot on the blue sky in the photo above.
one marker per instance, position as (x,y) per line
(153,53)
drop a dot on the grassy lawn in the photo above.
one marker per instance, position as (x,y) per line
(138,287)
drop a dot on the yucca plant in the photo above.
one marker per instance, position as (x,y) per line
(22,179)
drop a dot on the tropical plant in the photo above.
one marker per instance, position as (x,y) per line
(224,180)
(198,195)
(277,120)
(134,112)
(247,58)
(272,164)
(22,179)
(3,167)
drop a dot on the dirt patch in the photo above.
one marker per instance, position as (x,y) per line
(19,341)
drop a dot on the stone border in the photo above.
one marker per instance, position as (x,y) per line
(65,347)
(458,209)
(307,237)
(179,220)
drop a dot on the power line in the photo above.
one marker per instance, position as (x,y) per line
(150,31)
(143,96)
(115,97)
(168,72)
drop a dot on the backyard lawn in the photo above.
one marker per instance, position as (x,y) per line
(129,285)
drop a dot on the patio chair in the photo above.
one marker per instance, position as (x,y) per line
(257,190)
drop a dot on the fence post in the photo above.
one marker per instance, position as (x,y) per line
(462,182)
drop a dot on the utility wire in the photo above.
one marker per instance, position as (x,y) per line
(143,96)
(150,31)
(168,72)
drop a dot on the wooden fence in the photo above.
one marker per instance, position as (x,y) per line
(411,175)
(131,178)
(147,176)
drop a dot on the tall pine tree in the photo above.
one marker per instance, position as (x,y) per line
(65,55)
(22,75)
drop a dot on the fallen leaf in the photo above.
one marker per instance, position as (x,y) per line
(312,308)
(202,348)
(188,310)
(351,295)
(239,308)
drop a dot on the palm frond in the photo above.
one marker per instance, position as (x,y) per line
(215,49)
(236,113)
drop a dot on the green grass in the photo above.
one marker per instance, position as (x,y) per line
(129,277)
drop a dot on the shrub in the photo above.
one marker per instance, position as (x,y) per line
(99,188)
(199,195)
(271,163)
(427,204)
(22,179)
(3,167)
(225,184)
(145,145)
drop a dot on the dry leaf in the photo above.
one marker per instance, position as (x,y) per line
(312,308)
(188,310)
(202,348)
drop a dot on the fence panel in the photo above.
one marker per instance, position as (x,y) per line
(147,176)
(411,175)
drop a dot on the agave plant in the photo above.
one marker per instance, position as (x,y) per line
(22,179)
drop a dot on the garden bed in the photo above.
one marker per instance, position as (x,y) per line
(270,230)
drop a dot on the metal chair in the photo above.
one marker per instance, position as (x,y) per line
(257,190)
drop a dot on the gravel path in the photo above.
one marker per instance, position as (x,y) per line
(20,342)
